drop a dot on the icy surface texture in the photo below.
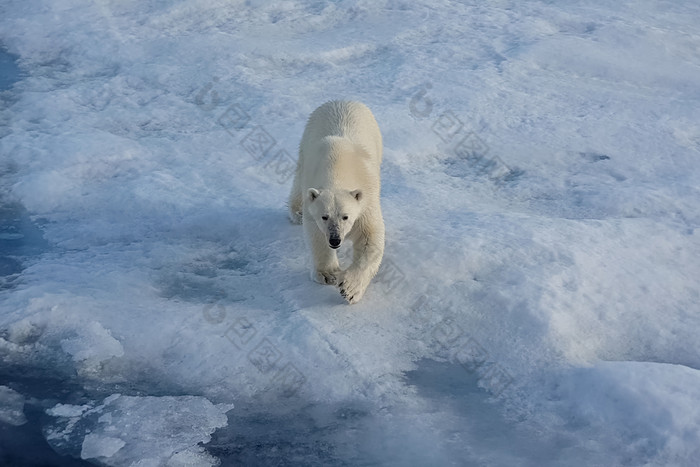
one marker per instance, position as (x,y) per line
(538,303)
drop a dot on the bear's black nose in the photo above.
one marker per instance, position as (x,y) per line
(334,242)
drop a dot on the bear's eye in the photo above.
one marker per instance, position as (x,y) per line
(325,218)
(345,218)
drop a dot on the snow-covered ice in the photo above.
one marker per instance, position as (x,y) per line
(538,303)
(165,430)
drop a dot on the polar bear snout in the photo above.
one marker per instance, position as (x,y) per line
(334,237)
(334,242)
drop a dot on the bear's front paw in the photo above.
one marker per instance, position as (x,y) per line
(352,287)
(327,277)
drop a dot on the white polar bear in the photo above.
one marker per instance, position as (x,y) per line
(336,194)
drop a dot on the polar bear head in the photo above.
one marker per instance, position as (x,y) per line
(335,212)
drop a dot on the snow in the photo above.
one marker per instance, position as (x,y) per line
(653,404)
(538,300)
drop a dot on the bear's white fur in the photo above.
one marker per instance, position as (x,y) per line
(335,194)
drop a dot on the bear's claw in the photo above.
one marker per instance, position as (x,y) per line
(330,280)
(345,294)
(351,293)
(327,278)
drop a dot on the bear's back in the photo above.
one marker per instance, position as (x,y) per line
(347,119)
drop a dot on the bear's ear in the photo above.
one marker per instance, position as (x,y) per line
(313,193)
(357,194)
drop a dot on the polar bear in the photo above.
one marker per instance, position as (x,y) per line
(335,194)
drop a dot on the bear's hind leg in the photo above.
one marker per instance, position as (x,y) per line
(295,208)
(295,199)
